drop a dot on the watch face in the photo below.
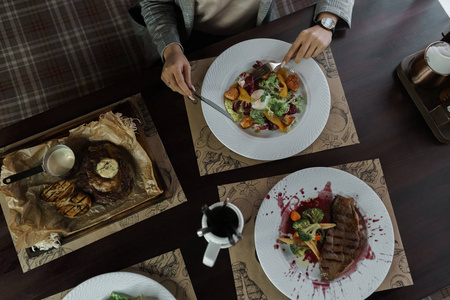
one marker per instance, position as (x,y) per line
(327,23)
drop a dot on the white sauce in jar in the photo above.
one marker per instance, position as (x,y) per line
(60,161)
(438,58)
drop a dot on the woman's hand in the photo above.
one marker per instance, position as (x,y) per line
(176,72)
(309,43)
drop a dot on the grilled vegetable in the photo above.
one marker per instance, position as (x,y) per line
(314,215)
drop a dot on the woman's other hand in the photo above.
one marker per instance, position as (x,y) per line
(176,72)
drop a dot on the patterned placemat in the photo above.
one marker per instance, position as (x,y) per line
(250,279)
(214,157)
(168,269)
(167,173)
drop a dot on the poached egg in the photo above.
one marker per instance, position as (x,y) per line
(258,101)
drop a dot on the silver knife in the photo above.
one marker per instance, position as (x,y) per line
(213,105)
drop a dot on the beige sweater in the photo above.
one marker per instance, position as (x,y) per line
(225,17)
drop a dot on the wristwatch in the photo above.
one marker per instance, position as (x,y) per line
(327,23)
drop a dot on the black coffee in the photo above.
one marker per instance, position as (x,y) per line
(223,221)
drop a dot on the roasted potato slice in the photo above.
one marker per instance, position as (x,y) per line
(232,94)
(247,122)
(293,82)
(287,119)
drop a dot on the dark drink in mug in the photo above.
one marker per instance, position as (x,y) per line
(222,225)
(223,221)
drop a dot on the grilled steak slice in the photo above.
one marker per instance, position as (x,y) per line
(343,242)
(105,174)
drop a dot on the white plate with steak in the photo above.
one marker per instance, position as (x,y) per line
(355,256)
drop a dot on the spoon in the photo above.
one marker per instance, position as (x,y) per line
(202,231)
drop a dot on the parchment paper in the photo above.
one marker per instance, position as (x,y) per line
(249,277)
(168,269)
(168,175)
(214,157)
(32,220)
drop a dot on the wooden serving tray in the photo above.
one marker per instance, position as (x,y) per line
(126,108)
(427,101)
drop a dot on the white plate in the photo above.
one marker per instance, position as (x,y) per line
(100,287)
(265,145)
(281,266)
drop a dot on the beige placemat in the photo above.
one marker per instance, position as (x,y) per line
(168,269)
(167,173)
(250,280)
(214,157)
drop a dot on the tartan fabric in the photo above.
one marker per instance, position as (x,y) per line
(54,51)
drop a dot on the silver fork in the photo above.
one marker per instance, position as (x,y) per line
(265,69)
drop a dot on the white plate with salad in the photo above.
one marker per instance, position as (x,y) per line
(300,277)
(119,284)
(308,106)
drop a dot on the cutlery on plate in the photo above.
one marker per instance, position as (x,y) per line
(213,105)
(269,67)
(265,69)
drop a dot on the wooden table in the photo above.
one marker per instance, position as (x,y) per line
(416,166)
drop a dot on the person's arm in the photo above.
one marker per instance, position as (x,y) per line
(312,41)
(161,22)
(341,8)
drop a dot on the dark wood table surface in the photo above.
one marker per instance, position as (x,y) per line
(415,164)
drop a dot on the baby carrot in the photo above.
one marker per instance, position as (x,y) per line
(318,237)
(295,216)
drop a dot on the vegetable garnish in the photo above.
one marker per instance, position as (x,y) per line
(315,215)
(327,225)
(313,247)
(318,237)
(295,216)
(291,241)
(308,231)
(119,296)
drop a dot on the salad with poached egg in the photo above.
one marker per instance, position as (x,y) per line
(268,103)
